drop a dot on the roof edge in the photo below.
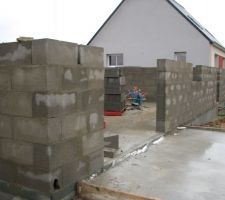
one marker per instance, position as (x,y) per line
(218,46)
(189,21)
(106,22)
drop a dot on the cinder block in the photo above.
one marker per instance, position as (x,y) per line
(54,104)
(31,78)
(91,56)
(96,78)
(17,152)
(5,79)
(54,77)
(109,152)
(48,51)
(95,120)
(37,78)
(16,103)
(88,99)
(111,141)
(37,130)
(96,161)
(114,72)
(115,107)
(115,90)
(42,181)
(92,142)
(49,157)
(74,124)
(71,78)
(75,171)
(7,171)
(15,53)
(5,126)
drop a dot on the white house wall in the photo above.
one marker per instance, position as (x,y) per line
(215,51)
(144,30)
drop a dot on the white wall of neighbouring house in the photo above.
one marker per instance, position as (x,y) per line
(215,51)
(145,30)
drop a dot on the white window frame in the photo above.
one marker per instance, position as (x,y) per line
(114,54)
(176,53)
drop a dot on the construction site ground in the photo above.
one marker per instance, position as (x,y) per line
(187,165)
(135,128)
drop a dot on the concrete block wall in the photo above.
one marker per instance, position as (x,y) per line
(144,78)
(183,93)
(115,97)
(221,83)
(51,117)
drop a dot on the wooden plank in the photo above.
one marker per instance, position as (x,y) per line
(87,191)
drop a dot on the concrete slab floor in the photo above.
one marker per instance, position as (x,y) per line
(134,127)
(187,166)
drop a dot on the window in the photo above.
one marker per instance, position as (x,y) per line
(115,59)
(180,56)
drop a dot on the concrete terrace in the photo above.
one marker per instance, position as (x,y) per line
(185,166)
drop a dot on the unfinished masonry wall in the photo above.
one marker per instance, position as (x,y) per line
(51,117)
(115,94)
(184,93)
(144,78)
(221,85)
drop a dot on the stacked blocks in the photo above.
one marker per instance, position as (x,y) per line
(51,117)
(114,90)
(184,93)
(142,77)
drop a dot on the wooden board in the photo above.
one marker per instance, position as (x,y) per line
(87,191)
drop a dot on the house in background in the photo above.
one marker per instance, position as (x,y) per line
(140,31)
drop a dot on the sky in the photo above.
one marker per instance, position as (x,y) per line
(78,20)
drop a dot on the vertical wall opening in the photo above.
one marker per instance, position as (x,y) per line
(56,185)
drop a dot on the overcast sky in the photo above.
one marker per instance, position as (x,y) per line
(77,20)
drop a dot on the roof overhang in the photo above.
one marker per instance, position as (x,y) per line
(218,46)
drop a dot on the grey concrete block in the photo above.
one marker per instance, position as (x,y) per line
(87,99)
(5,126)
(71,78)
(54,76)
(15,53)
(39,180)
(91,56)
(49,157)
(96,161)
(96,78)
(66,193)
(16,103)
(114,72)
(109,152)
(48,51)
(92,142)
(31,78)
(74,172)
(95,120)
(54,104)
(37,78)
(23,193)
(5,79)
(37,130)
(7,171)
(65,152)
(115,90)
(17,152)
(111,141)
(74,124)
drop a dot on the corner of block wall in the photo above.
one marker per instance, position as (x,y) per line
(90,56)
